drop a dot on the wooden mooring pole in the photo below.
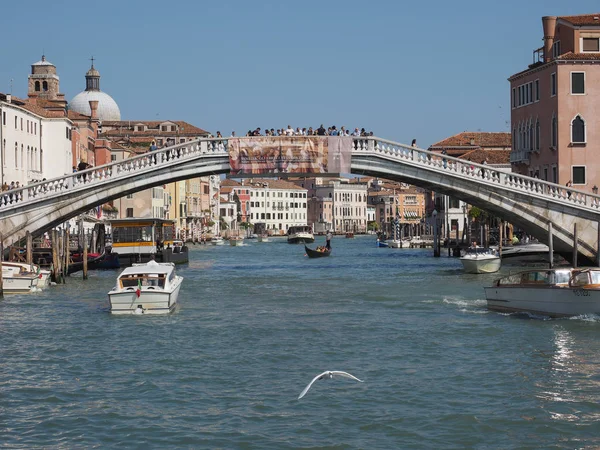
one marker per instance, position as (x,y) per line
(550,246)
(67,253)
(85,255)
(574,245)
(55,267)
(29,249)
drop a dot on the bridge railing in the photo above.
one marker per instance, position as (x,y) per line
(113,171)
(480,173)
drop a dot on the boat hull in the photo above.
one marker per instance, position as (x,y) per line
(315,253)
(236,242)
(152,301)
(20,284)
(552,301)
(263,239)
(481,265)
(301,239)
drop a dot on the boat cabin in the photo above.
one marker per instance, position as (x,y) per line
(296,229)
(141,236)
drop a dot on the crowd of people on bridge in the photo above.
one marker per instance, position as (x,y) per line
(290,131)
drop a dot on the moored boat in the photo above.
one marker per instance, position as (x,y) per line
(33,269)
(16,280)
(320,252)
(382,243)
(263,238)
(217,240)
(151,288)
(560,292)
(236,241)
(481,260)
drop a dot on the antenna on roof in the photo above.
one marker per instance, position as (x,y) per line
(11,85)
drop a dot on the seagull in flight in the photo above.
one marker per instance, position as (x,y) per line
(327,375)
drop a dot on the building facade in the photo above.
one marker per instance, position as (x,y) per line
(554,105)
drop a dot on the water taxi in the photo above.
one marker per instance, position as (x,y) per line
(151,288)
(17,280)
(140,240)
(481,260)
(34,269)
(560,292)
(300,234)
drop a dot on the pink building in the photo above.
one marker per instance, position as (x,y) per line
(555,105)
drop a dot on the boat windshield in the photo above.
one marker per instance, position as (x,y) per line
(146,280)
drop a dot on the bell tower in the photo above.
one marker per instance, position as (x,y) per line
(43,81)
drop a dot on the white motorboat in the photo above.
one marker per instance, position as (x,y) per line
(394,243)
(34,269)
(16,280)
(300,234)
(263,238)
(481,260)
(533,253)
(150,288)
(236,241)
(217,240)
(560,292)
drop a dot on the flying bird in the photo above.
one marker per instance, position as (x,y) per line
(326,375)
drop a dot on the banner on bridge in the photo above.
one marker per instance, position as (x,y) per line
(290,155)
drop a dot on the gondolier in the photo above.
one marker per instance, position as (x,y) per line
(328,239)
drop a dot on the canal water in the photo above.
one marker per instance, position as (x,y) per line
(256,323)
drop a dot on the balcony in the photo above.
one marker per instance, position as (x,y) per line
(520,156)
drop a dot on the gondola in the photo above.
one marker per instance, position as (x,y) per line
(316,253)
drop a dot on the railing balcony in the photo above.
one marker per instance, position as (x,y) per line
(520,156)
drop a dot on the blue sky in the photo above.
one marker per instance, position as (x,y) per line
(424,70)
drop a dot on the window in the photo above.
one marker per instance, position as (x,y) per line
(37,86)
(514,97)
(578,130)
(129,212)
(554,132)
(578,174)
(537,135)
(3,117)
(553,84)
(590,44)
(113,158)
(45,86)
(556,49)
(537,90)
(577,82)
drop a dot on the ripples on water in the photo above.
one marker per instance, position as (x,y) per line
(256,323)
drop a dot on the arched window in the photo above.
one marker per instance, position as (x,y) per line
(37,86)
(537,135)
(45,86)
(578,130)
(514,139)
(16,155)
(531,136)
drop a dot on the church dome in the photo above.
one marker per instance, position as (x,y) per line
(107,107)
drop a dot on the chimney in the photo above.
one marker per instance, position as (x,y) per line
(549,25)
(8,98)
(94,108)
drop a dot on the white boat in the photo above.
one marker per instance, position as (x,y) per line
(481,260)
(217,240)
(16,280)
(34,269)
(559,292)
(236,241)
(300,234)
(263,238)
(150,288)
(394,243)
(527,253)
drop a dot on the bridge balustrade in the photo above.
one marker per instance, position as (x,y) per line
(114,171)
(368,146)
